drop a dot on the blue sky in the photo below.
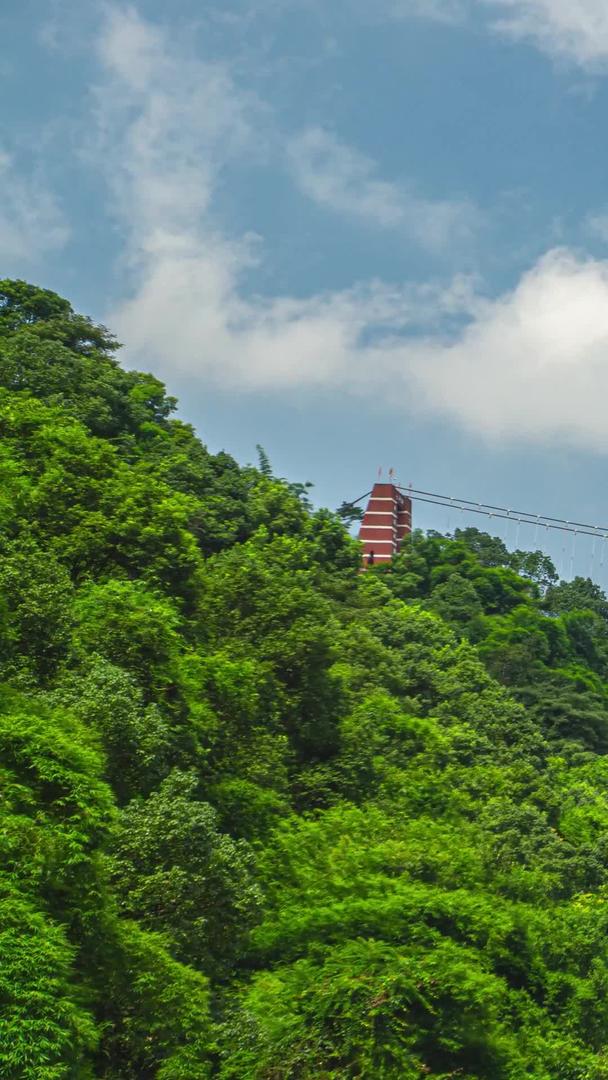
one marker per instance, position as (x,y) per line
(360,234)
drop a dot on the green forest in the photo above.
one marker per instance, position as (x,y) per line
(264,816)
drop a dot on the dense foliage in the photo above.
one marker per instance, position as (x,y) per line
(265,817)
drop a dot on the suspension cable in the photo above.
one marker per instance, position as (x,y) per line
(532,517)
(506,515)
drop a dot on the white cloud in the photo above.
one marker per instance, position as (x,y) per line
(572,30)
(575,30)
(31,223)
(340,178)
(531,365)
(166,126)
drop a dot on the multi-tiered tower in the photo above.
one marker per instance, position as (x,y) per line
(387,519)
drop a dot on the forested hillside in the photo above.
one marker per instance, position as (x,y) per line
(265,817)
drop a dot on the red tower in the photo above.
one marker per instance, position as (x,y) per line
(387,519)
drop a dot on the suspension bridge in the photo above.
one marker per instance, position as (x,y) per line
(575,547)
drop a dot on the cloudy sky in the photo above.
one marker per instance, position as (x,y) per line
(360,233)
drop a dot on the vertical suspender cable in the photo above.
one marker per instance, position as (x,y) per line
(592,560)
(572,554)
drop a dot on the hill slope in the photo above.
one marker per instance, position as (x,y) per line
(265,817)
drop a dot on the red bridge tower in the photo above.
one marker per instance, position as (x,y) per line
(387,519)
